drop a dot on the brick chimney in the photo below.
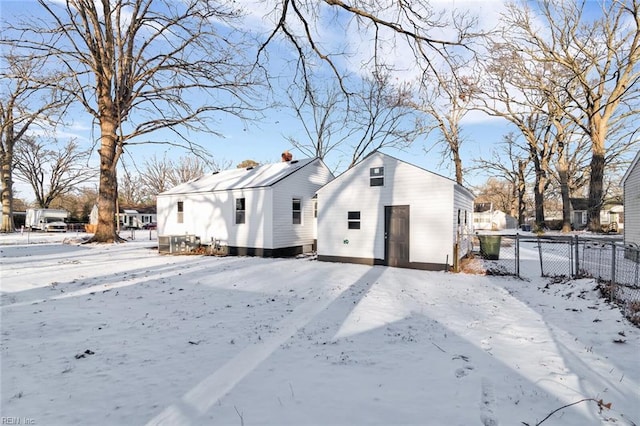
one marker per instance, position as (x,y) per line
(287,156)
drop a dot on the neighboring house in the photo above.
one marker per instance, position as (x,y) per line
(130,217)
(384,211)
(611,214)
(266,210)
(137,217)
(488,219)
(631,186)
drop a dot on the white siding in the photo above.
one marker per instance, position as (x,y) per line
(632,204)
(303,185)
(212,215)
(431,201)
(268,218)
(463,203)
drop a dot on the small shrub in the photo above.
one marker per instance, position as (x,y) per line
(633,312)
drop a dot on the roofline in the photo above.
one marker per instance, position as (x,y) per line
(211,191)
(410,164)
(631,167)
(312,160)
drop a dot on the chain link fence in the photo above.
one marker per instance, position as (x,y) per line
(616,266)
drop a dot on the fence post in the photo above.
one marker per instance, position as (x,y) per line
(540,254)
(577,255)
(613,263)
(517,255)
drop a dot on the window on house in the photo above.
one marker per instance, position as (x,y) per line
(376,176)
(240,210)
(180,211)
(353,220)
(296,208)
(315,208)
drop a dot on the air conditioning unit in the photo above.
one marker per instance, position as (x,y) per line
(177,243)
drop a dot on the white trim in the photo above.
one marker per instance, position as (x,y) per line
(631,167)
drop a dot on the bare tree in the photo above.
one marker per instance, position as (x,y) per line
(51,170)
(404,25)
(602,58)
(137,66)
(509,163)
(247,163)
(78,203)
(159,175)
(446,98)
(500,193)
(131,191)
(156,175)
(512,90)
(188,168)
(24,105)
(323,115)
(382,116)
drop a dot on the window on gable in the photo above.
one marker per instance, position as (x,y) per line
(240,210)
(376,176)
(296,208)
(180,211)
(353,220)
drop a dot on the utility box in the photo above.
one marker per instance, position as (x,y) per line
(172,244)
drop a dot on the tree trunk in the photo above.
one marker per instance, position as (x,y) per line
(107,192)
(7,192)
(596,183)
(514,202)
(6,174)
(563,172)
(458,163)
(538,196)
(522,187)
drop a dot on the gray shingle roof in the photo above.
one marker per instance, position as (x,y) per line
(251,177)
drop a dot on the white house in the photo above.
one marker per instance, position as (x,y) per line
(137,217)
(384,211)
(631,186)
(486,218)
(129,217)
(265,210)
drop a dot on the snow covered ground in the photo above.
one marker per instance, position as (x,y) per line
(120,335)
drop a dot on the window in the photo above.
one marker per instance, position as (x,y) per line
(376,176)
(296,208)
(240,210)
(180,211)
(353,220)
(315,208)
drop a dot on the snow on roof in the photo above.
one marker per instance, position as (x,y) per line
(250,177)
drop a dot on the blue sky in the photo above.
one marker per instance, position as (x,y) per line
(264,140)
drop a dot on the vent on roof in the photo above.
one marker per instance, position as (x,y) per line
(293,161)
(250,168)
(216,172)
